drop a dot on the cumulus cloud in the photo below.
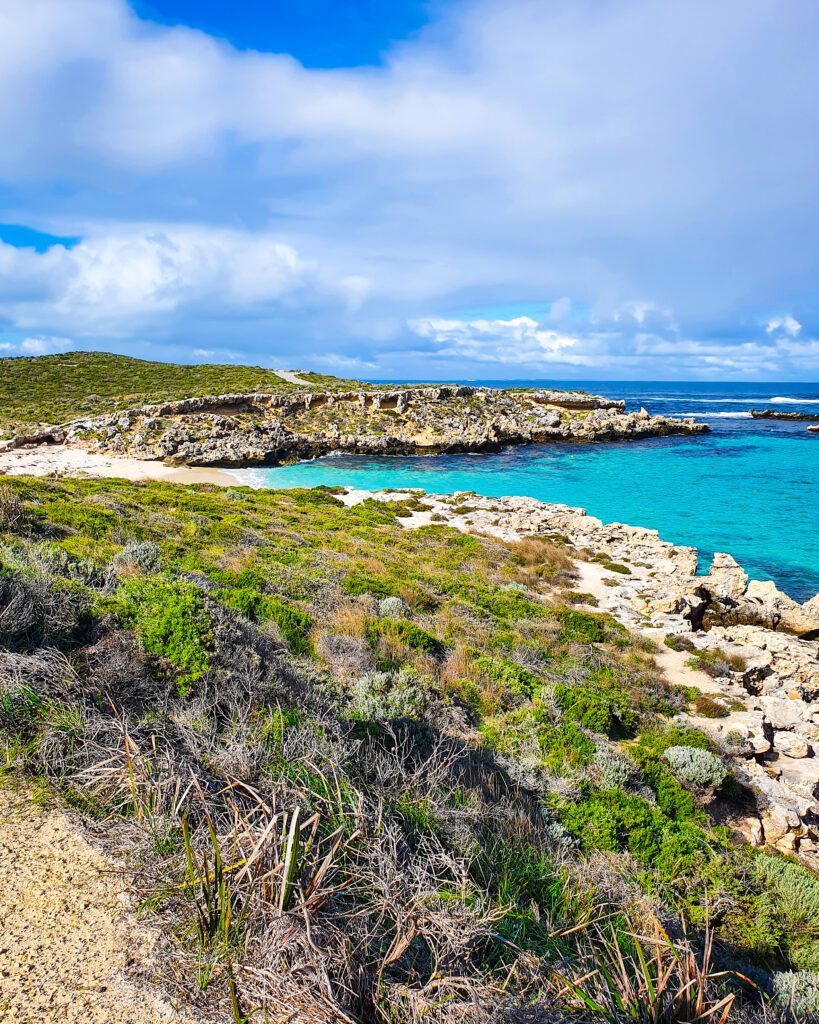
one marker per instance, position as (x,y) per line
(37,346)
(617,345)
(114,283)
(785,324)
(516,152)
(520,341)
(42,346)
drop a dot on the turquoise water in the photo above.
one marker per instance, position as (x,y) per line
(748,488)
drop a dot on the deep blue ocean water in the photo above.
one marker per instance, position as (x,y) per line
(748,488)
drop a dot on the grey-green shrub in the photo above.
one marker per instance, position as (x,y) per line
(614,769)
(797,991)
(387,696)
(796,892)
(143,555)
(695,766)
(392,608)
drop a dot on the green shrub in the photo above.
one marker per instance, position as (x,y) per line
(171,621)
(518,680)
(612,820)
(565,746)
(795,891)
(358,583)
(407,633)
(608,713)
(294,624)
(617,567)
(673,799)
(87,519)
(587,627)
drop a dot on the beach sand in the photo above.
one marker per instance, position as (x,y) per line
(62,460)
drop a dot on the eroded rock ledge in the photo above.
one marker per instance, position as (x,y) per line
(253,429)
(767,673)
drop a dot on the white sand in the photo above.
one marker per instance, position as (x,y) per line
(62,460)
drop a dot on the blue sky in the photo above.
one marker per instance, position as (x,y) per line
(460,188)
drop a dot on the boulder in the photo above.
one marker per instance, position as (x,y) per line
(792,745)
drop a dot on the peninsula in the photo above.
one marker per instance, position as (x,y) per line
(299,416)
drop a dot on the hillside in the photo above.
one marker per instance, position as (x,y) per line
(54,389)
(392,776)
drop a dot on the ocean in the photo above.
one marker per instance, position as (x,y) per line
(748,488)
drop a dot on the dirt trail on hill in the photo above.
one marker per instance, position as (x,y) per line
(70,950)
(293,378)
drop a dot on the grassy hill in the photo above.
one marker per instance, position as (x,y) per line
(53,389)
(396,773)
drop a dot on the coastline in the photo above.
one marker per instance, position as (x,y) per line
(767,682)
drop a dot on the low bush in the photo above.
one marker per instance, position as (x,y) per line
(293,624)
(610,712)
(171,621)
(392,608)
(14,516)
(695,767)
(387,697)
(137,556)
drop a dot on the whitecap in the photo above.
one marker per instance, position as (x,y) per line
(785,400)
(719,415)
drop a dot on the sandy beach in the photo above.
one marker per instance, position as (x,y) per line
(48,460)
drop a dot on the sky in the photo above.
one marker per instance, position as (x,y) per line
(599,189)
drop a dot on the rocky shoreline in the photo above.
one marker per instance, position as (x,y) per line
(267,429)
(764,679)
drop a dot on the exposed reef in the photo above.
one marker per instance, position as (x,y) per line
(771,414)
(254,429)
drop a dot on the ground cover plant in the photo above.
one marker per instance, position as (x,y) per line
(373,774)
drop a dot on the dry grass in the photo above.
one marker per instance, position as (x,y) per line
(541,559)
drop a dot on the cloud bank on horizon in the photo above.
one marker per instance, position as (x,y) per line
(554,188)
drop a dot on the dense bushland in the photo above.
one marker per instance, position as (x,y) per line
(383,773)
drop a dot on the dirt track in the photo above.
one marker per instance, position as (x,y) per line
(70,950)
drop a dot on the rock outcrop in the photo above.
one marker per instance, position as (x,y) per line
(771,414)
(766,675)
(253,429)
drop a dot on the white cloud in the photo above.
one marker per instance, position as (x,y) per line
(520,340)
(617,345)
(114,283)
(42,345)
(785,324)
(516,151)
(338,362)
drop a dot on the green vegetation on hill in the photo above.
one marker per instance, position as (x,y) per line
(54,389)
(381,769)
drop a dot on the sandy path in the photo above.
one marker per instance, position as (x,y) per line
(47,459)
(293,378)
(67,939)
